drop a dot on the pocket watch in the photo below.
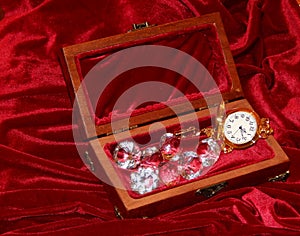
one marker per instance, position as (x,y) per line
(242,128)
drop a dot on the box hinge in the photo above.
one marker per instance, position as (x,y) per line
(280,178)
(140,26)
(212,190)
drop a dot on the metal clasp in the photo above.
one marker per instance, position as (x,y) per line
(117,213)
(212,190)
(280,178)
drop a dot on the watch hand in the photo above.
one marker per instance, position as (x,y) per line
(242,133)
(237,130)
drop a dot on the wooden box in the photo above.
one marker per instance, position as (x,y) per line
(103,125)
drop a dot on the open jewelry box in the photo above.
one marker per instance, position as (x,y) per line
(184,104)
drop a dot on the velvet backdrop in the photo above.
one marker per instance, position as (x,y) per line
(45,188)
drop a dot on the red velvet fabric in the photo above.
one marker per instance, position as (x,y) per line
(46,189)
(201,42)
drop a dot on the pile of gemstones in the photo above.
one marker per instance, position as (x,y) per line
(165,164)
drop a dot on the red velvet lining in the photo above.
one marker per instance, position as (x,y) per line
(201,42)
(236,159)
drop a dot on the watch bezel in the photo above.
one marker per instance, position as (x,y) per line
(253,140)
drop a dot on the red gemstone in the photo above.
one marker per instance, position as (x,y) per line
(151,159)
(127,155)
(169,174)
(169,145)
(122,155)
(202,148)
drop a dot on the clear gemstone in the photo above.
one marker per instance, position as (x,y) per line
(127,155)
(211,154)
(144,180)
(190,165)
(207,160)
(213,146)
(149,151)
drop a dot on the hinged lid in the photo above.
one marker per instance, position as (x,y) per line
(203,38)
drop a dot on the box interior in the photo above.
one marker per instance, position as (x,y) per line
(259,152)
(201,42)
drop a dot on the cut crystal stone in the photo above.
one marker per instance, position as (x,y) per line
(210,154)
(169,145)
(190,165)
(127,155)
(169,174)
(144,180)
(151,156)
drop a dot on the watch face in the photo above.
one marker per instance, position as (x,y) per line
(240,128)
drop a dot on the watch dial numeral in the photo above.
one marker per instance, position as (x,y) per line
(251,123)
(228,126)
(247,118)
(243,115)
(236,117)
(251,128)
